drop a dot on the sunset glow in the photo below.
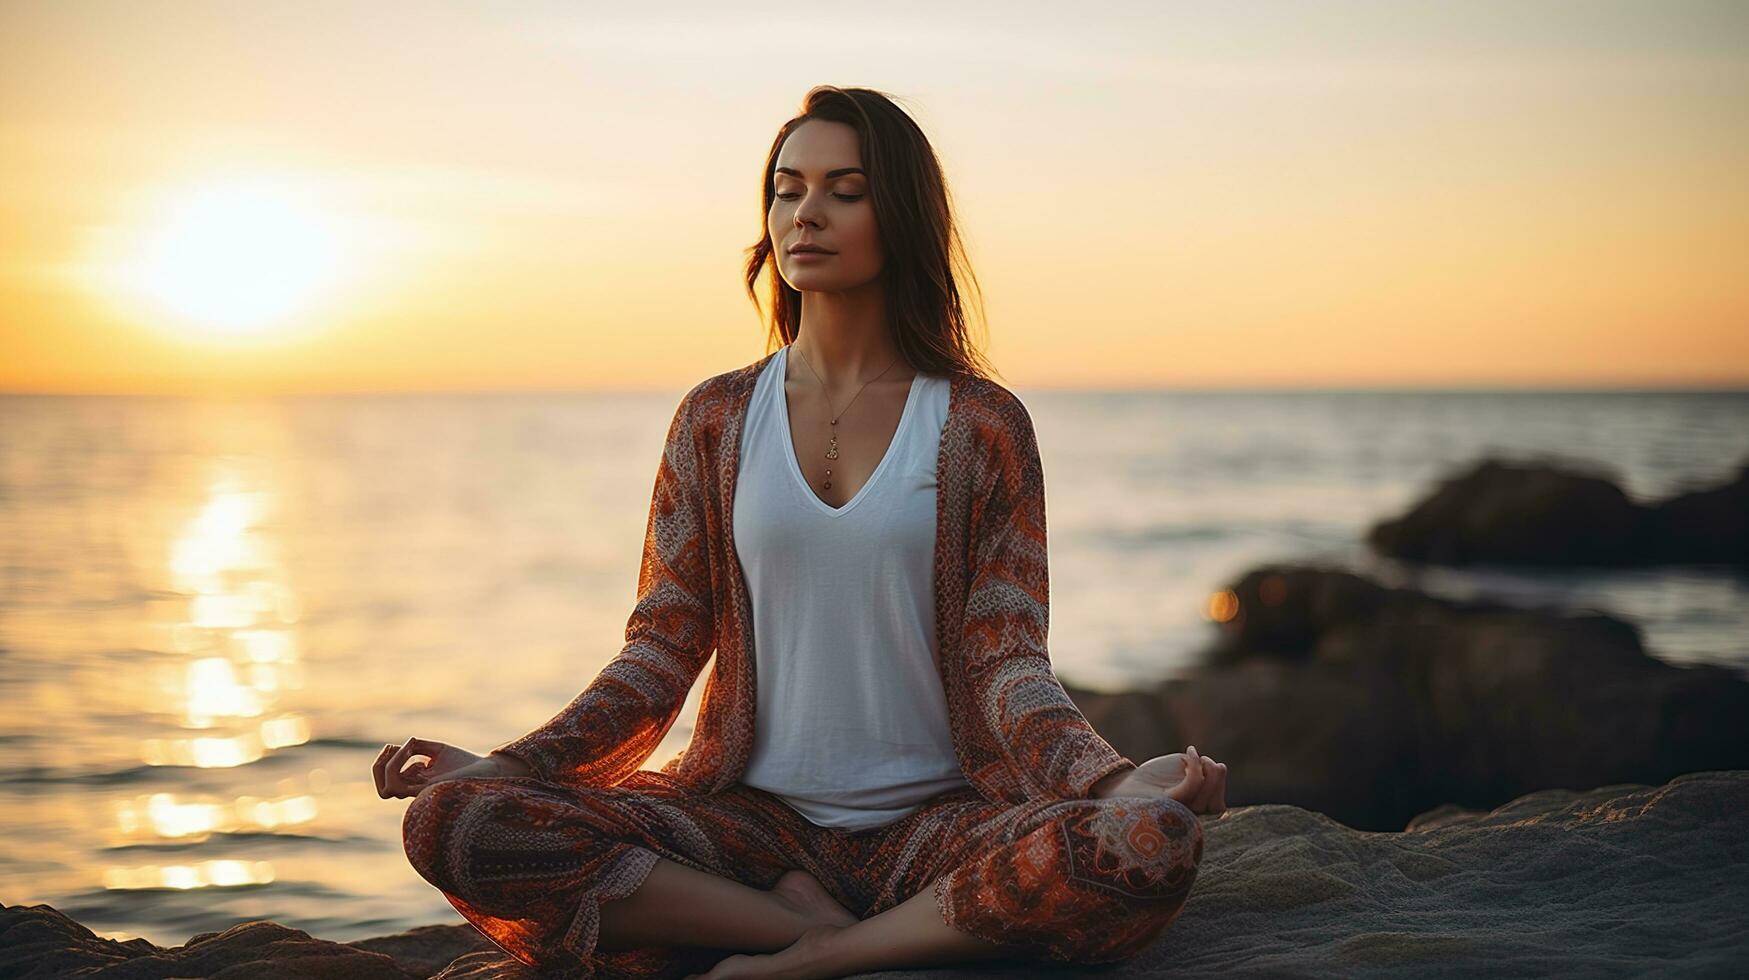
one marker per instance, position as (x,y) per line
(229,259)
(1152,195)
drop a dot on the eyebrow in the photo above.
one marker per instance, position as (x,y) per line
(841,171)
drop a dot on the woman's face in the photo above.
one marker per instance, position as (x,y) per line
(821,196)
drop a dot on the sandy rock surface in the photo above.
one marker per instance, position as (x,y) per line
(1623,880)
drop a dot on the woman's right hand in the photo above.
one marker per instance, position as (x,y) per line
(445,761)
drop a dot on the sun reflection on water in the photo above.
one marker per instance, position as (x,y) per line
(204,874)
(227,664)
(160,815)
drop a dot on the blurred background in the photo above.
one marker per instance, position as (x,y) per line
(338,342)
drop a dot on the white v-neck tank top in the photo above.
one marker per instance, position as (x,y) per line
(851,726)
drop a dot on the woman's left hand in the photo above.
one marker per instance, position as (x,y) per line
(1197,781)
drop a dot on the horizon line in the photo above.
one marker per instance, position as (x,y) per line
(1709,388)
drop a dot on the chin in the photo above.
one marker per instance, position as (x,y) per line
(809,281)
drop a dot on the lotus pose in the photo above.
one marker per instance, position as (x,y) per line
(885,770)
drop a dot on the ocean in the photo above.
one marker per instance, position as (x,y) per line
(214,613)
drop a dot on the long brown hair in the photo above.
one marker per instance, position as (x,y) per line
(919,237)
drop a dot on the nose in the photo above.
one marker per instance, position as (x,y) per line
(804,212)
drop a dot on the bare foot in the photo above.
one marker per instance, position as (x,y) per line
(804,959)
(804,893)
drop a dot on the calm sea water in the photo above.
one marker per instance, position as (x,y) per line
(214,613)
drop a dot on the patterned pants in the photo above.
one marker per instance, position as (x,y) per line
(529,863)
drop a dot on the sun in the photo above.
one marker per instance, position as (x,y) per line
(239,257)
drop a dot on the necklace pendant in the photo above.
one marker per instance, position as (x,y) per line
(832,453)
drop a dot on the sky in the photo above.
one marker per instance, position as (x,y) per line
(311,197)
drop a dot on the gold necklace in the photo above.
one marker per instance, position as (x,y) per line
(832,452)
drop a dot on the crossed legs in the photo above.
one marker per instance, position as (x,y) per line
(737,884)
(1073,881)
(678,905)
(911,933)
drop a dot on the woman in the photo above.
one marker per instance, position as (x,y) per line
(892,776)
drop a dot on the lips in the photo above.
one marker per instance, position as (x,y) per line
(806,248)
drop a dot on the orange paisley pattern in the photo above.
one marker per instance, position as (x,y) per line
(1020,741)
(530,863)
(1016,733)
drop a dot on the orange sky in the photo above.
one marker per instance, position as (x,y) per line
(312,197)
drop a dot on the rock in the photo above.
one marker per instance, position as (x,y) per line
(426,950)
(486,966)
(37,941)
(1704,525)
(1372,704)
(1623,880)
(1553,883)
(1552,512)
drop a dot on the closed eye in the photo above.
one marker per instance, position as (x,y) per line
(841,197)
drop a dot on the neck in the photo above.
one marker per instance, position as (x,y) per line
(845,337)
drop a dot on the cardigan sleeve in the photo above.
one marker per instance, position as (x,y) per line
(613,726)
(1051,746)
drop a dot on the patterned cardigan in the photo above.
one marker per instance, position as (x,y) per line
(1015,731)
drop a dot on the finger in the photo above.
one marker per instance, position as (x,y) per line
(1212,792)
(1221,798)
(423,745)
(397,785)
(419,747)
(377,769)
(1199,801)
(417,774)
(1192,782)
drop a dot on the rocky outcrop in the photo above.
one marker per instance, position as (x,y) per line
(1372,704)
(37,941)
(1621,880)
(427,950)
(1555,513)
